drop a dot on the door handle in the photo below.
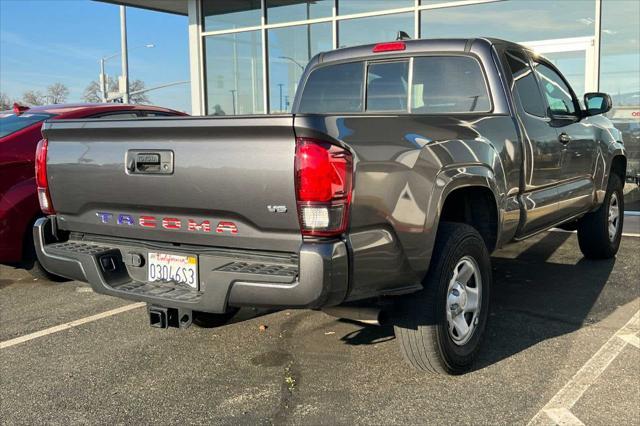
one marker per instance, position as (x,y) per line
(564,138)
(147,162)
(157,162)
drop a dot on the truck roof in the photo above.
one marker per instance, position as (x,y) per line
(412,46)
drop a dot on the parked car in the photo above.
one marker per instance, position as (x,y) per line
(402,167)
(19,135)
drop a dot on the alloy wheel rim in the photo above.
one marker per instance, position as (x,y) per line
(464,300)
(613,217)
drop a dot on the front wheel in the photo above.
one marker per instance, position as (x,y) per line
(600,232)
(439,329)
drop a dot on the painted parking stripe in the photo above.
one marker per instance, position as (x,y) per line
(624,234)
(68,325)
(558,409)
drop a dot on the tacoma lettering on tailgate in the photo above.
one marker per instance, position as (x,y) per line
(173,223)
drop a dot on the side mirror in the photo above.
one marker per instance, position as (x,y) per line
(597,103)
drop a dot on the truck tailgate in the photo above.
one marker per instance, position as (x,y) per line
(223,182)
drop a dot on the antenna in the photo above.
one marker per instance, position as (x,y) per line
(403,36)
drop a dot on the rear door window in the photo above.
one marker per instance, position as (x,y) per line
(11,123)
(525,83)
(387,86)
(448,84)
(334,89)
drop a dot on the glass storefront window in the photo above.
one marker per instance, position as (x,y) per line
(347,7)
(297,10)
(230,14)
(620,77)
(352,32)
(513,20)
(289,51)
(234,73)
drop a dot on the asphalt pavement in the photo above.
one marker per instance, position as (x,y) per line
(561,346)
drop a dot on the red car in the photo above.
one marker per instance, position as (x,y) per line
(19,136)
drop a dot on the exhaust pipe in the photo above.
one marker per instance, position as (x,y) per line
(366,315)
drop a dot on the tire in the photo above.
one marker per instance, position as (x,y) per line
(209,320)
(422,324)
(32,265)
(36,270)
(596,239)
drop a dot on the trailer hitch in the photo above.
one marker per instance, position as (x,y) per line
(161,317)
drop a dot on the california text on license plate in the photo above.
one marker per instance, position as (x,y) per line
(172,267)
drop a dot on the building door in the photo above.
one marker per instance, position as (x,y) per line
(575,58)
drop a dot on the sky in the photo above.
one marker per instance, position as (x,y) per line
(47,41)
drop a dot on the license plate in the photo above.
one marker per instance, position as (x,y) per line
(172,267)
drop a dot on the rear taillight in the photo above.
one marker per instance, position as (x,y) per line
(41,178)
(323,175)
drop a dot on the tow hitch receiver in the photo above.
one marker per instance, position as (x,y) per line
(161,317)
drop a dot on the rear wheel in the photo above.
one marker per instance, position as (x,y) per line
(600,232)
(30,261)
(439,329)
(209,320)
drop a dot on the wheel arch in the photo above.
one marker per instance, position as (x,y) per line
(469,195)
(619,167)
(20,207)
(475,206)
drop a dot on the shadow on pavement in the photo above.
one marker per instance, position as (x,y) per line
(532,300)
(368,335)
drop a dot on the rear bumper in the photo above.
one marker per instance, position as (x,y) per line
(316,277)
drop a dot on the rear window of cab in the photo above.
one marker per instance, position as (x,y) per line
(439,85)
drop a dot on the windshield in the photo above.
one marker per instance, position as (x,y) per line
(11,123)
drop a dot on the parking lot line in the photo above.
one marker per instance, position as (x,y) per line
(624,234)
(558,409)
(68,325)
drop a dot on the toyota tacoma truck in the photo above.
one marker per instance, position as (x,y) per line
(401,168)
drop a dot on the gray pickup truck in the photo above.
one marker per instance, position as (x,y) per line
(403,166)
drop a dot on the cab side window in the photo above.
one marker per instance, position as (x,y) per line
(525,84)
(557,92)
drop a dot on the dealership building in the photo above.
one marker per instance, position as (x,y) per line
(247,56)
